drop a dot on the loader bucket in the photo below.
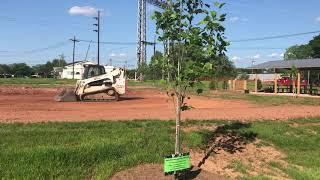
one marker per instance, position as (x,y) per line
(66,95)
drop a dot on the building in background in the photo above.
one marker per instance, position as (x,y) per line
(67,72)
(57,72)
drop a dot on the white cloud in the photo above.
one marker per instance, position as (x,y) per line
(256,56)
(120,55)
(235,58)
(245,19)
(234,19)
(317,19)
(273,55)
(83,10)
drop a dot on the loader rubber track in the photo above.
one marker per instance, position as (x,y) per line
(100,99)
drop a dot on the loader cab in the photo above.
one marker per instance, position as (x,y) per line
(93,71)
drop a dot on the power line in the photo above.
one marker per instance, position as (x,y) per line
(110,42)
(240,40)
(54,46)
(275,37)
(254,48)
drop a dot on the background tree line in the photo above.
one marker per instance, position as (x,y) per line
(158,66)
(23,70)
(304,51)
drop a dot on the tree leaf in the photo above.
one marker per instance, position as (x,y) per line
(213,14)
(186,107)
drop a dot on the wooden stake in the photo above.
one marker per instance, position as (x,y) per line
(299,83)
(275,83)
(256,83)
(245,85)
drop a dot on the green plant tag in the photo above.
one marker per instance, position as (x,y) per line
(176,163)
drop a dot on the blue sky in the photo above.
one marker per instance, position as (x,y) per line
(38,24)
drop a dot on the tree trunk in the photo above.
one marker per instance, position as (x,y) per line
(178,119)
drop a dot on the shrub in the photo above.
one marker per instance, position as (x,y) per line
(259,84)
(244,76)
(225,85)
(213,85)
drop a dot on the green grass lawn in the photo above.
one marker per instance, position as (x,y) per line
(265,100)
(99,149)
(300,142)
(37,82)
(80,150)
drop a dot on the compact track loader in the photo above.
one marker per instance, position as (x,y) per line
(96,85)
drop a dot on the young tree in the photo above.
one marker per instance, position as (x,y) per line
(193,35)
(294,74)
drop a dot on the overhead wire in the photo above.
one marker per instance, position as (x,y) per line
(110,42)
(275,37)
(63,43)
(54,46)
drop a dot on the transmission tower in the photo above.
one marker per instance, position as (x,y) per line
(142,29)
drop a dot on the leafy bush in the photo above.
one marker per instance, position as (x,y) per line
(259,84)
(213,85)
(225,85)
(244,76)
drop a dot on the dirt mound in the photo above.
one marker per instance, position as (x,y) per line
(155,171)
(66,95)
(251,161)
(233,153)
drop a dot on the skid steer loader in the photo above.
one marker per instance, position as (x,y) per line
(96,85)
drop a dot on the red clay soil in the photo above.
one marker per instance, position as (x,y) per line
(37,105)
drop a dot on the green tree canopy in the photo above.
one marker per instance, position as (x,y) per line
(21,70)
(5,69)
(156,66)
(223,68)
(305,51)
(315,46)
(299,52)
(58,63)
(46,69)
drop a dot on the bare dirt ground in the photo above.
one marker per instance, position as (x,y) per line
(23,104)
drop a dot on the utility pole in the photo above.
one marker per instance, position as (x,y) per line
(98,31)
(110,62)
(74,40)
(142,31)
